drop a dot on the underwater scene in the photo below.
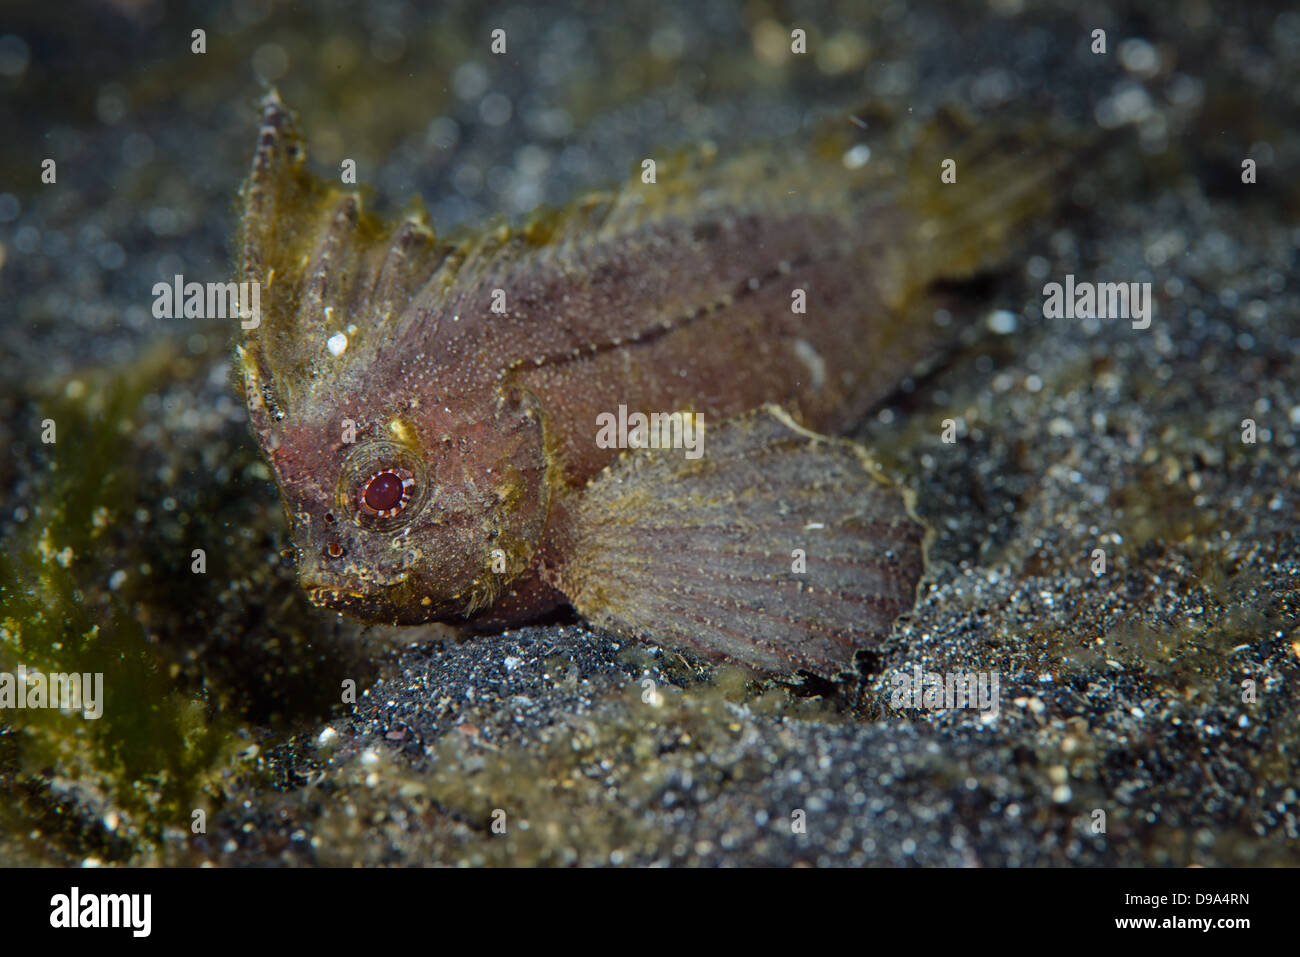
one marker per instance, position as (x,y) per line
(714,433)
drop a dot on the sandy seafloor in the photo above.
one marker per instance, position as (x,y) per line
(1162,693)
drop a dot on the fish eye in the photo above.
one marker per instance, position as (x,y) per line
(386,492)
(382,486)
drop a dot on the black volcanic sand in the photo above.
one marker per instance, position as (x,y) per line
(1148,714)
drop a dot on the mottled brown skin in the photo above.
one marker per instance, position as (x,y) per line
(669,296)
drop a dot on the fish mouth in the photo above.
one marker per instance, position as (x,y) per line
(388,604)
(330,597)
(374,605)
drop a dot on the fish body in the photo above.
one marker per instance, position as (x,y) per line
(431,408)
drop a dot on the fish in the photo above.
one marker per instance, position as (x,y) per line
(439,413)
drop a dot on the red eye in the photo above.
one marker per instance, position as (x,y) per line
(387,492)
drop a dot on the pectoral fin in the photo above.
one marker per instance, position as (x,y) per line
(777,548)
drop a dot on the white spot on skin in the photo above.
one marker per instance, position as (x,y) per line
(815,363)
(337,344)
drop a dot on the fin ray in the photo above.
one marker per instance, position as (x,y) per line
(702,552)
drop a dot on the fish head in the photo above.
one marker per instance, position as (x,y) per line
(406,501)
(413,516)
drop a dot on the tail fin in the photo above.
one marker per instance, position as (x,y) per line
(972,190)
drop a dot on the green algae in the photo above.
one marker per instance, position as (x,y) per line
(99,575)
(146,757)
